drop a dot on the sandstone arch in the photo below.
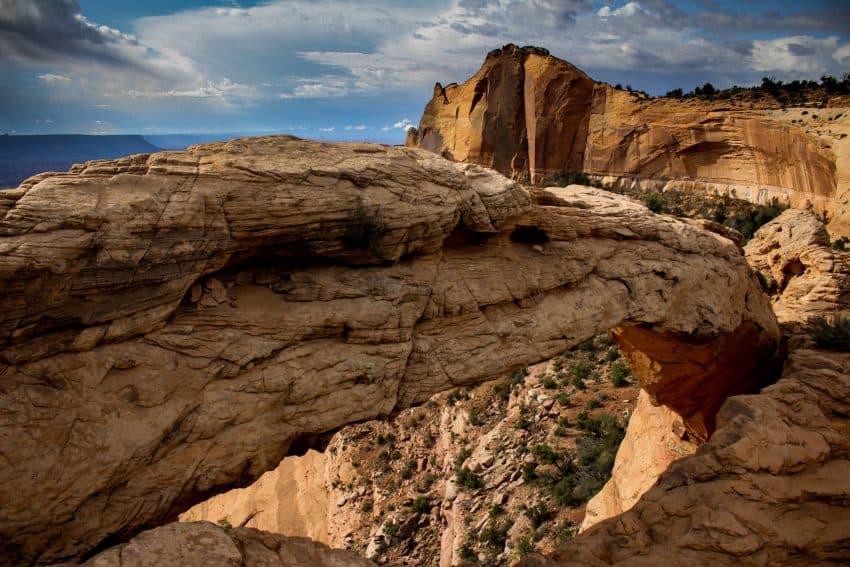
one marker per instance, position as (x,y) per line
(172,324)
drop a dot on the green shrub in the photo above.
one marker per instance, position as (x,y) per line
(524,546)
(364,230)
(831,333)
(522,421)
(549,383)
(749,221)
(421,505)
(840,243)
(563,398)
(581,370)
(367,505)
(474,420)
(496,533)
(517,377)
(467,553)
(467,479)
(619,374)
(502,390)
(574,178)
(529,472)
(612,354)
(654,201)
(594,403)
(538,514)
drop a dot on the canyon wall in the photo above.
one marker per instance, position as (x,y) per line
(174,324)
(533,116)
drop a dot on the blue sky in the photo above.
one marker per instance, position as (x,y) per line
(364,70)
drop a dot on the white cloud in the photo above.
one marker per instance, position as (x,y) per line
(225,91)
(327,87)
(842,53)
(328,129)
(356,127)
(52,79)
(404,124)
(625,11)
(796,56)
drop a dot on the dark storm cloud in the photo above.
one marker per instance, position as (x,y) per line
(44,31)
(742,48)
(822,15)
(797,49)
(489,30)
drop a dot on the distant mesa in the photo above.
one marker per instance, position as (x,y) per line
(24,156)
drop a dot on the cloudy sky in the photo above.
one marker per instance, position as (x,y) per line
(365,69)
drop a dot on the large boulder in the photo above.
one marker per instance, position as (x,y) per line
(202,543)
(172,325)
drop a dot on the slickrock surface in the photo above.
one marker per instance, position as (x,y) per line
(804,274)
(654,439)
(172,325)
(771,485)
(531,115)
(203,543)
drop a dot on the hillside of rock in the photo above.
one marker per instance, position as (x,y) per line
(533,116)
(463,476)
(770,486)
(174,324)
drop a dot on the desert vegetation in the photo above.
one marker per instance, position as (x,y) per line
(738,214)
(519,458)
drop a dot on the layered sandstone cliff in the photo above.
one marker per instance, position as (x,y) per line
(172,325)
(531,115)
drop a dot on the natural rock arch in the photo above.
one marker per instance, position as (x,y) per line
(173,325)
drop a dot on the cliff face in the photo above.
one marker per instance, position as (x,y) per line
(172,325)
(530,115)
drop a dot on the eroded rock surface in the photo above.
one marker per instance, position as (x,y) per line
(202,543)
(531,115)
(770,486)
(173,325)
(654,438)
(805,276)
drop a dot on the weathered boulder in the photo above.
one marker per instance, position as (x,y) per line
(202,543)
(173,325)
(805,276)
(529,114)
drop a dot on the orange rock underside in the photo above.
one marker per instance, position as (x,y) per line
(695,379)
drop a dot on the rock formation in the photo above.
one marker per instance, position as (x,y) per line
(804,274)
(770,486)
(528,114)
(654,439)
(202,543)
(403,471)
(173,324)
